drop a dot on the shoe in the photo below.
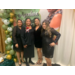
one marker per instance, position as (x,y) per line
(20,64)
(23,62)
(56,65)
(44,64)
(31,62)
(27,64)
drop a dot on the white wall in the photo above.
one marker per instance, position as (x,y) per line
(44,13)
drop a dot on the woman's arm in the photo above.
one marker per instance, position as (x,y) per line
(23,35)
(14,35)
(54,32)
(56,22)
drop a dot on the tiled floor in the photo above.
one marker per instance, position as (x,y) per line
(34,60)
(29,64)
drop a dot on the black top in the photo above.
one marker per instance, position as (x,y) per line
(37,37)
(47,39)
(16,37)
(37,34)
(27,37)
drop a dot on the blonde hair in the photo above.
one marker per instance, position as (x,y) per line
(48,29)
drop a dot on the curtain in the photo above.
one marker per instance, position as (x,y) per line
(2,37)
(65,51)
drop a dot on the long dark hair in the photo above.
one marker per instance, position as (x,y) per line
(38,19)
(48,29)
(27,19)
(19,20)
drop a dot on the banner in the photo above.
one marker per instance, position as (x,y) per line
(27,13)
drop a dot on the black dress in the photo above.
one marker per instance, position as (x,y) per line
(16,37)
(38,38)
(28,39)
(46,40)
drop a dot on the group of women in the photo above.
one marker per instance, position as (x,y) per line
(26,36)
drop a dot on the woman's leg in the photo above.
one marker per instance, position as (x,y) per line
(39,55)
(30,61)
(18,57)
(48,61)
(22,53)
(26,60)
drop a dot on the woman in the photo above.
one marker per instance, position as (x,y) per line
(28,41)
(17,41)
(38,39)
(47,41)
(54,19)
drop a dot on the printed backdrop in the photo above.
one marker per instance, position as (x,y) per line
(32,13)
(27,13)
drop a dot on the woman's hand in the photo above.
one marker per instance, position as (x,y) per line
(25,46)
(52,44)
(54,38)
(16,45)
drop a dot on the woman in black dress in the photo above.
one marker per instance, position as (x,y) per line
(28,41)
(38,39)
(47,41)
(17,41)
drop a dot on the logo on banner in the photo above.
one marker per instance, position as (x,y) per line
(27,13)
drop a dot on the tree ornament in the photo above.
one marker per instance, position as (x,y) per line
(11,15)
(12,52)
(4,27)
(15,60)
(9,29)
(8,47)
(6,32)
(8,57)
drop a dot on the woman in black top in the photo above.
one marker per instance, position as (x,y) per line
(28,41)
(38,39)
(17,41)
(47,41)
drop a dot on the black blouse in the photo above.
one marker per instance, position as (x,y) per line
(37,34)
(47,39)
(27,37)
(16,35)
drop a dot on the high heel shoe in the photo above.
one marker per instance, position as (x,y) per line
(20,64)
(39,61)
(27,64)
(23,62)
(31,62)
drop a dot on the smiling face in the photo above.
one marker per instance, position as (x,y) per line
(44,25)
(51,10)
(28,22)
(37,22)
(19,23)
